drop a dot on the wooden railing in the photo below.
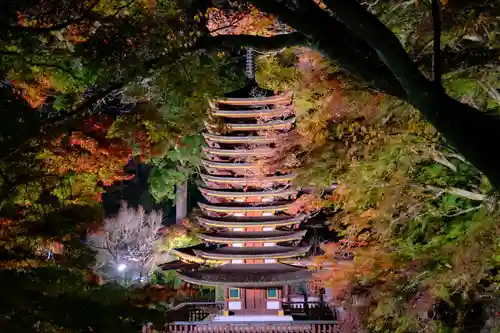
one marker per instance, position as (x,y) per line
(309,310)
(194,311)
(199,311)
(316,326)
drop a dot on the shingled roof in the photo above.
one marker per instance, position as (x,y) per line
(264,221)
(231,252)
(226,237)
(248,275)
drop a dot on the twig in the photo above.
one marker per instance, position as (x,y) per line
(464,211)
(458,192)
(58,26)
(436,58)
(119,9)
(41,64)
(439,158)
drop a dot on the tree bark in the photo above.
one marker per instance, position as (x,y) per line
(473,133)
(335,41)
(181,194)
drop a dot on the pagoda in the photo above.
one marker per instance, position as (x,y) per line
(252,225)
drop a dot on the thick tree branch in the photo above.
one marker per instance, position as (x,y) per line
(58,26)
(472,132)
(335,41)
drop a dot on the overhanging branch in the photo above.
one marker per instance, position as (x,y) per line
(332,38)
(58,26)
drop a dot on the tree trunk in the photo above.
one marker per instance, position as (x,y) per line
(335,41)
(181,193)
(475,134)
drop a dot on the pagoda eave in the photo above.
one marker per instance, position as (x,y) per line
(261,182)
(242,222)
(257,113)
(191,258)
(244,209)
(248,275)
(239,152)
(282,193)
(241,167)
(252,101)
(266,252)
(255,237)
(240,139)
(271,125)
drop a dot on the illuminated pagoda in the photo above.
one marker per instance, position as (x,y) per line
(250,215)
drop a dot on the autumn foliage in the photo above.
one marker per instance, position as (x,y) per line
(252,22)
(89,151)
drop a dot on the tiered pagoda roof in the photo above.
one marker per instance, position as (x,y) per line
(257,113)
(268,126)
(249,202)
(261,152)
(243,139)
(251,222)
(281,193)
(226,237)
(209,208)
(248,276)
(218,182)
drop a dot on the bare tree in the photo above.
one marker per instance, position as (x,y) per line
(126,244)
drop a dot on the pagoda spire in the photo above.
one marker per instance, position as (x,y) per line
(250,64)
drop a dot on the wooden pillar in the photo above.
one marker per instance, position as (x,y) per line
(226,300)
(280,299)
(181,194)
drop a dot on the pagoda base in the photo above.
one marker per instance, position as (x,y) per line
(253,318)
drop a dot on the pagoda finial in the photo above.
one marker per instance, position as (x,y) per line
(250,64)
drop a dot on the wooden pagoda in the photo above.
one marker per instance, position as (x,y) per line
(249,216)
(252,237)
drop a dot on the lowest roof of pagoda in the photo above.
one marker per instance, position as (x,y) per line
(248,275)
(285,98)
(261,252)
(226,237)
(247,221)
(241,139)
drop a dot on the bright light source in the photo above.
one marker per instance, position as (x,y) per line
(122,267)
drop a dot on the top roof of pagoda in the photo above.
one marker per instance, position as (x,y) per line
(285,98)
(251,88)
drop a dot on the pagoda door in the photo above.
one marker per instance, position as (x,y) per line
(255,300)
